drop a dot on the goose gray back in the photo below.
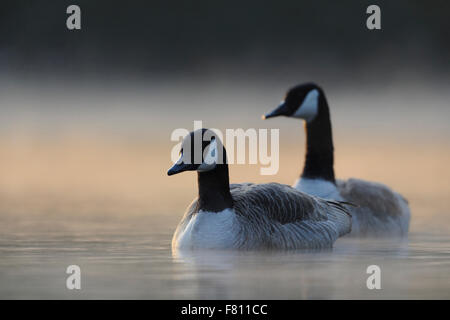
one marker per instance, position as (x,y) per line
(250,216)
(379,210)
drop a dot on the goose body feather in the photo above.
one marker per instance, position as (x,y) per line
(264,216)
(378,210)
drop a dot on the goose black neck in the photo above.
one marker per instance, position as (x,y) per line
(319,145)
(214,189)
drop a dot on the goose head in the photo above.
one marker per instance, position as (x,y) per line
(301,102)
(201,151)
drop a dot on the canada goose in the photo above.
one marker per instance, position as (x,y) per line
(379,210)
(247,215)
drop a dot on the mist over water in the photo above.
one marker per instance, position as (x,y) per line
(86,118)
(84,182)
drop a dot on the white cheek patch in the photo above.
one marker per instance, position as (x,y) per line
(180,159)
(211,158)
(310,106)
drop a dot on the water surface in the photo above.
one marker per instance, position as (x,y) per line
(135,261)
(83,182)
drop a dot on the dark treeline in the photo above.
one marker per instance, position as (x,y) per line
(163,36)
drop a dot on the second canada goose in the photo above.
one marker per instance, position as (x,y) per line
(249,216)
(380,210)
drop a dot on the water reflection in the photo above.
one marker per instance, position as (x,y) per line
(80,188)
(330,274)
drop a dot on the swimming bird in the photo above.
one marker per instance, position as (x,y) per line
(380,211)
(247,215)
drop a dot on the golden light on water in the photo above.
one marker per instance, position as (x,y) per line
(85,176)
(86,153)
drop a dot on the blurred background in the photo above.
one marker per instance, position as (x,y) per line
(86,116)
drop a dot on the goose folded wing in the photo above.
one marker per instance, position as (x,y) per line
(280,203)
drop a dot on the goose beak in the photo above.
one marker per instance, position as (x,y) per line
(278,111)
(180,167)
